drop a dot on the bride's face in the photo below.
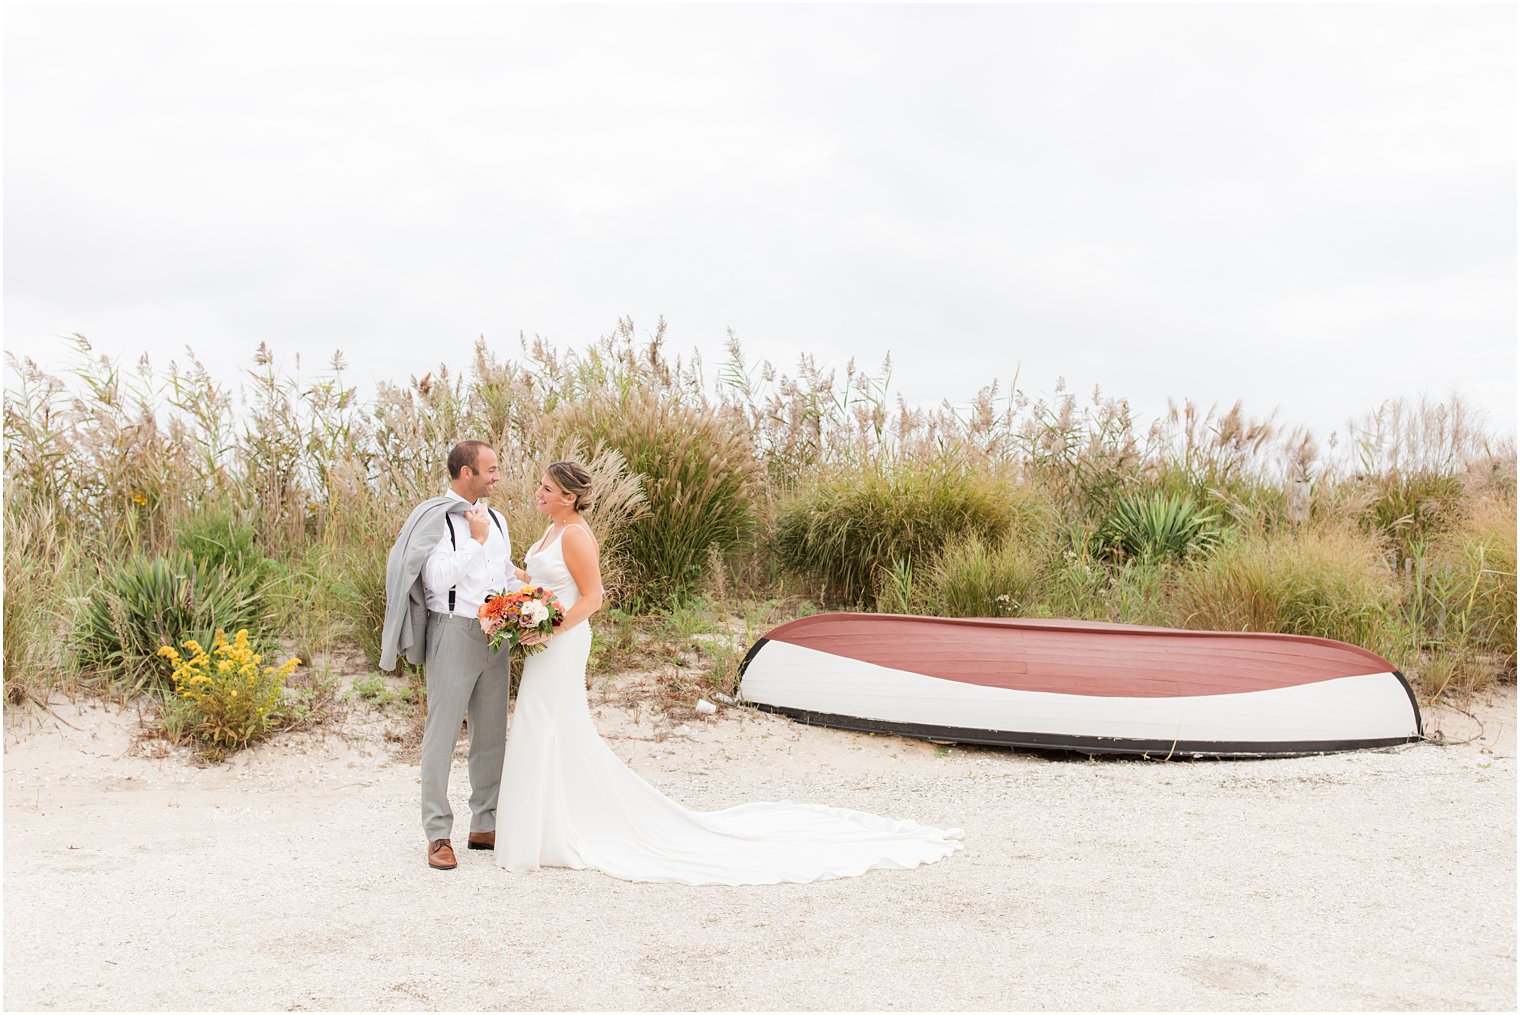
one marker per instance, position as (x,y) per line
(551,500)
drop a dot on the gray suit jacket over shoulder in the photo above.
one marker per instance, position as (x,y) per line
(405,629)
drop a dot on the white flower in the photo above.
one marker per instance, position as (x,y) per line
(534,613)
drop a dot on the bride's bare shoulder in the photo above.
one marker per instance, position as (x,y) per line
(581,533)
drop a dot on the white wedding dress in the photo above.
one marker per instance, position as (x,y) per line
(568,801)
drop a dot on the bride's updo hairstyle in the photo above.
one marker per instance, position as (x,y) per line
(575,479)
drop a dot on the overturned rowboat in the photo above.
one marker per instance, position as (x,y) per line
(1081,686)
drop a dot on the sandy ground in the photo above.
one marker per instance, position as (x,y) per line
(293,878)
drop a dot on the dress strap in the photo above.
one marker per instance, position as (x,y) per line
(539,545)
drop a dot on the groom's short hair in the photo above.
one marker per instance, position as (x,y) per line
(465,453)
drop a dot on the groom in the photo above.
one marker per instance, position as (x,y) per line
(450,552)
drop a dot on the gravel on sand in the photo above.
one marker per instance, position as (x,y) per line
(293,877)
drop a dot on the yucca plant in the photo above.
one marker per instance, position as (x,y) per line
(147,602)
(1154,526)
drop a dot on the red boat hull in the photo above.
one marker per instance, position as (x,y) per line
(1082,686)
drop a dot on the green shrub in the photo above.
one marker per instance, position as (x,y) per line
(218,538)
(381,692)
(975,577)
(352,581)
(224,698)
(1490,552)
(1073,579)
(698,476)
(330,595)
(360,583)
(1154,526)
(1461,593)
(1075,585)
(1330,583)
(846,528)
(39,562)
(1137,595)
(147,602)
(1410,509)
(896,589)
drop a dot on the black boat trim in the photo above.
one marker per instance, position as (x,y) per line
(1161,749)
(1419,719)
(756,647)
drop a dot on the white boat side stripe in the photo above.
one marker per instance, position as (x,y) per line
(1372,706)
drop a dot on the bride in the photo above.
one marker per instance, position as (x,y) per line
(568,801)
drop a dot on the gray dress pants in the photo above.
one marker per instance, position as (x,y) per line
(463,677)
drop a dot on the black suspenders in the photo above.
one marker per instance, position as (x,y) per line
(454,543)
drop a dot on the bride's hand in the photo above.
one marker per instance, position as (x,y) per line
(522,575)
(535,638)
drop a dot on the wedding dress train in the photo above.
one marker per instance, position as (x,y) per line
(568,801)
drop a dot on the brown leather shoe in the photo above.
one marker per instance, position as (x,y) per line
(441,855)
(482,840)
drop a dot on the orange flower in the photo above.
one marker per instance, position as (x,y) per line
(496,606)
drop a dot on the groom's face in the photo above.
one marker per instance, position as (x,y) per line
(483,476)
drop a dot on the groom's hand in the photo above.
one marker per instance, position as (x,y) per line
(480,524)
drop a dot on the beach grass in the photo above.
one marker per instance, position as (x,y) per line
(718,495)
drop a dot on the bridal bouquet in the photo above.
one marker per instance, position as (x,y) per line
(507,616)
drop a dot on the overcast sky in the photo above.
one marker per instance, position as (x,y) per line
(1310,208)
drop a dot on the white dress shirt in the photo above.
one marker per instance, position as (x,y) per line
(470,568)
